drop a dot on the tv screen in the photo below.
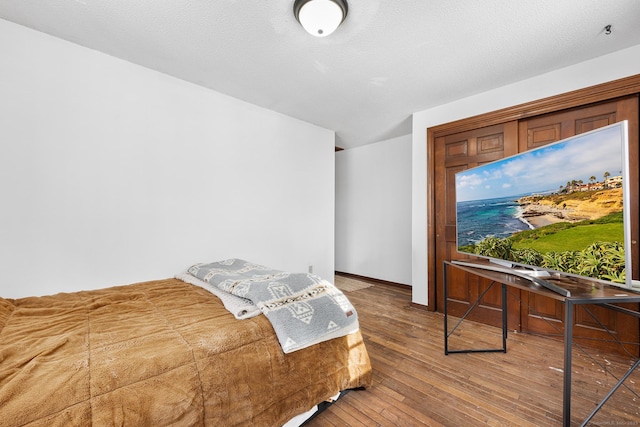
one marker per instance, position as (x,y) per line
(559,208)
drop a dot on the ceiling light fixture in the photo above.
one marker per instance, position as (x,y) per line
(320,17)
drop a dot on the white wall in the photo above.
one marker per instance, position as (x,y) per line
(111,173)
(373,210)
(606,68)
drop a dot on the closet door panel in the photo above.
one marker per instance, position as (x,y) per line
(455,153)
(544,315)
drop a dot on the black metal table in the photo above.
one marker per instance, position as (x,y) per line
(573,292)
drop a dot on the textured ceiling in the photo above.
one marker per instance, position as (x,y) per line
(388,59)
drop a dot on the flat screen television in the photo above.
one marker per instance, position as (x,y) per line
(557,209)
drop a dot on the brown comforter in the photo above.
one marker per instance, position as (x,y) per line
(159,353)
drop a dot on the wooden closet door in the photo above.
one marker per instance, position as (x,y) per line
(544,315)
(458,151)
(454,153)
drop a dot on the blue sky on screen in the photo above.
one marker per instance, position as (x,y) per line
(545,169)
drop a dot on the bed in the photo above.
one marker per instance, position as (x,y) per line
(164,352)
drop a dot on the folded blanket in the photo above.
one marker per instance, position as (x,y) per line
(302,308)
(241,308)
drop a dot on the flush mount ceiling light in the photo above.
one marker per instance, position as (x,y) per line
(320,17)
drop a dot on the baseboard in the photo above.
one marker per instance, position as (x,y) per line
(372,280)
(420,306)
(384,282)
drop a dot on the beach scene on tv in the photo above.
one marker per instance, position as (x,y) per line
(559,207)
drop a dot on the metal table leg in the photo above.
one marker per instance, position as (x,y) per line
(568,345)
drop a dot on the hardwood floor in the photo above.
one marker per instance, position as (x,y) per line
(415,384)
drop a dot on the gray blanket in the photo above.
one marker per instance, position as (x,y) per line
(302,308)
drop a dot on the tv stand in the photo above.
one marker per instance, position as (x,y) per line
(533,275)
(578,292)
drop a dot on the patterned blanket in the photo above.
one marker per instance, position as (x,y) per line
(302,308)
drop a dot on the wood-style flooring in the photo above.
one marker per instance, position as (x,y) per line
(415,384)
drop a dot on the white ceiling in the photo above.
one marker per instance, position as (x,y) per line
(389,58)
